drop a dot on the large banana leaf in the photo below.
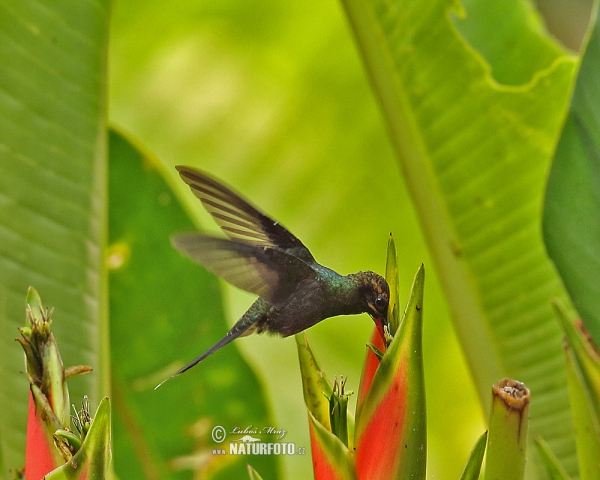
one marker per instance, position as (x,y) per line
(52,195)
(572,208)
(474,101)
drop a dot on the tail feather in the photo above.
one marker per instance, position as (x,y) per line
(237,331)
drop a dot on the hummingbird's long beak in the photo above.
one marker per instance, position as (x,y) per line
(381,323)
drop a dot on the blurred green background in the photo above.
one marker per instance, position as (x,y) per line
(272,98)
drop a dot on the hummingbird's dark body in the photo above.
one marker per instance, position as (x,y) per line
(261,256)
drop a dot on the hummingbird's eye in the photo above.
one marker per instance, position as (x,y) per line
(380,302)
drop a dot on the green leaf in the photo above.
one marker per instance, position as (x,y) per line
(317,389)
(572,208)
(584,352)
(554,469)
(52,206)
(583,374)
(165,310)
(331,460)
(253,474)
(391,275)
(34,302)
(475,152)
(521,26)
(586,422)
(473,466)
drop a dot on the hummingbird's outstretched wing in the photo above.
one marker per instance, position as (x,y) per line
(240,220)
(268,272)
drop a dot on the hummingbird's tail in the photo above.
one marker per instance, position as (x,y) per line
(241,328)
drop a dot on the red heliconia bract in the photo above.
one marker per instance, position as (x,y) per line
(389,434)
(376,458)
(369,367)
(39,459)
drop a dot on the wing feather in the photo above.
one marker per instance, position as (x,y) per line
(265,271)
(241,221)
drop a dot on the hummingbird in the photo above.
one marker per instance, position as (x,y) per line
(262,257)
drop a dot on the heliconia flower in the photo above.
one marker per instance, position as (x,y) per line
(390,435)
(92,460)
(388,440)
(50,442)
(49,397)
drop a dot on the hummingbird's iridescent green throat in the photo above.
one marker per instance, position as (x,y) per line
(261,256)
